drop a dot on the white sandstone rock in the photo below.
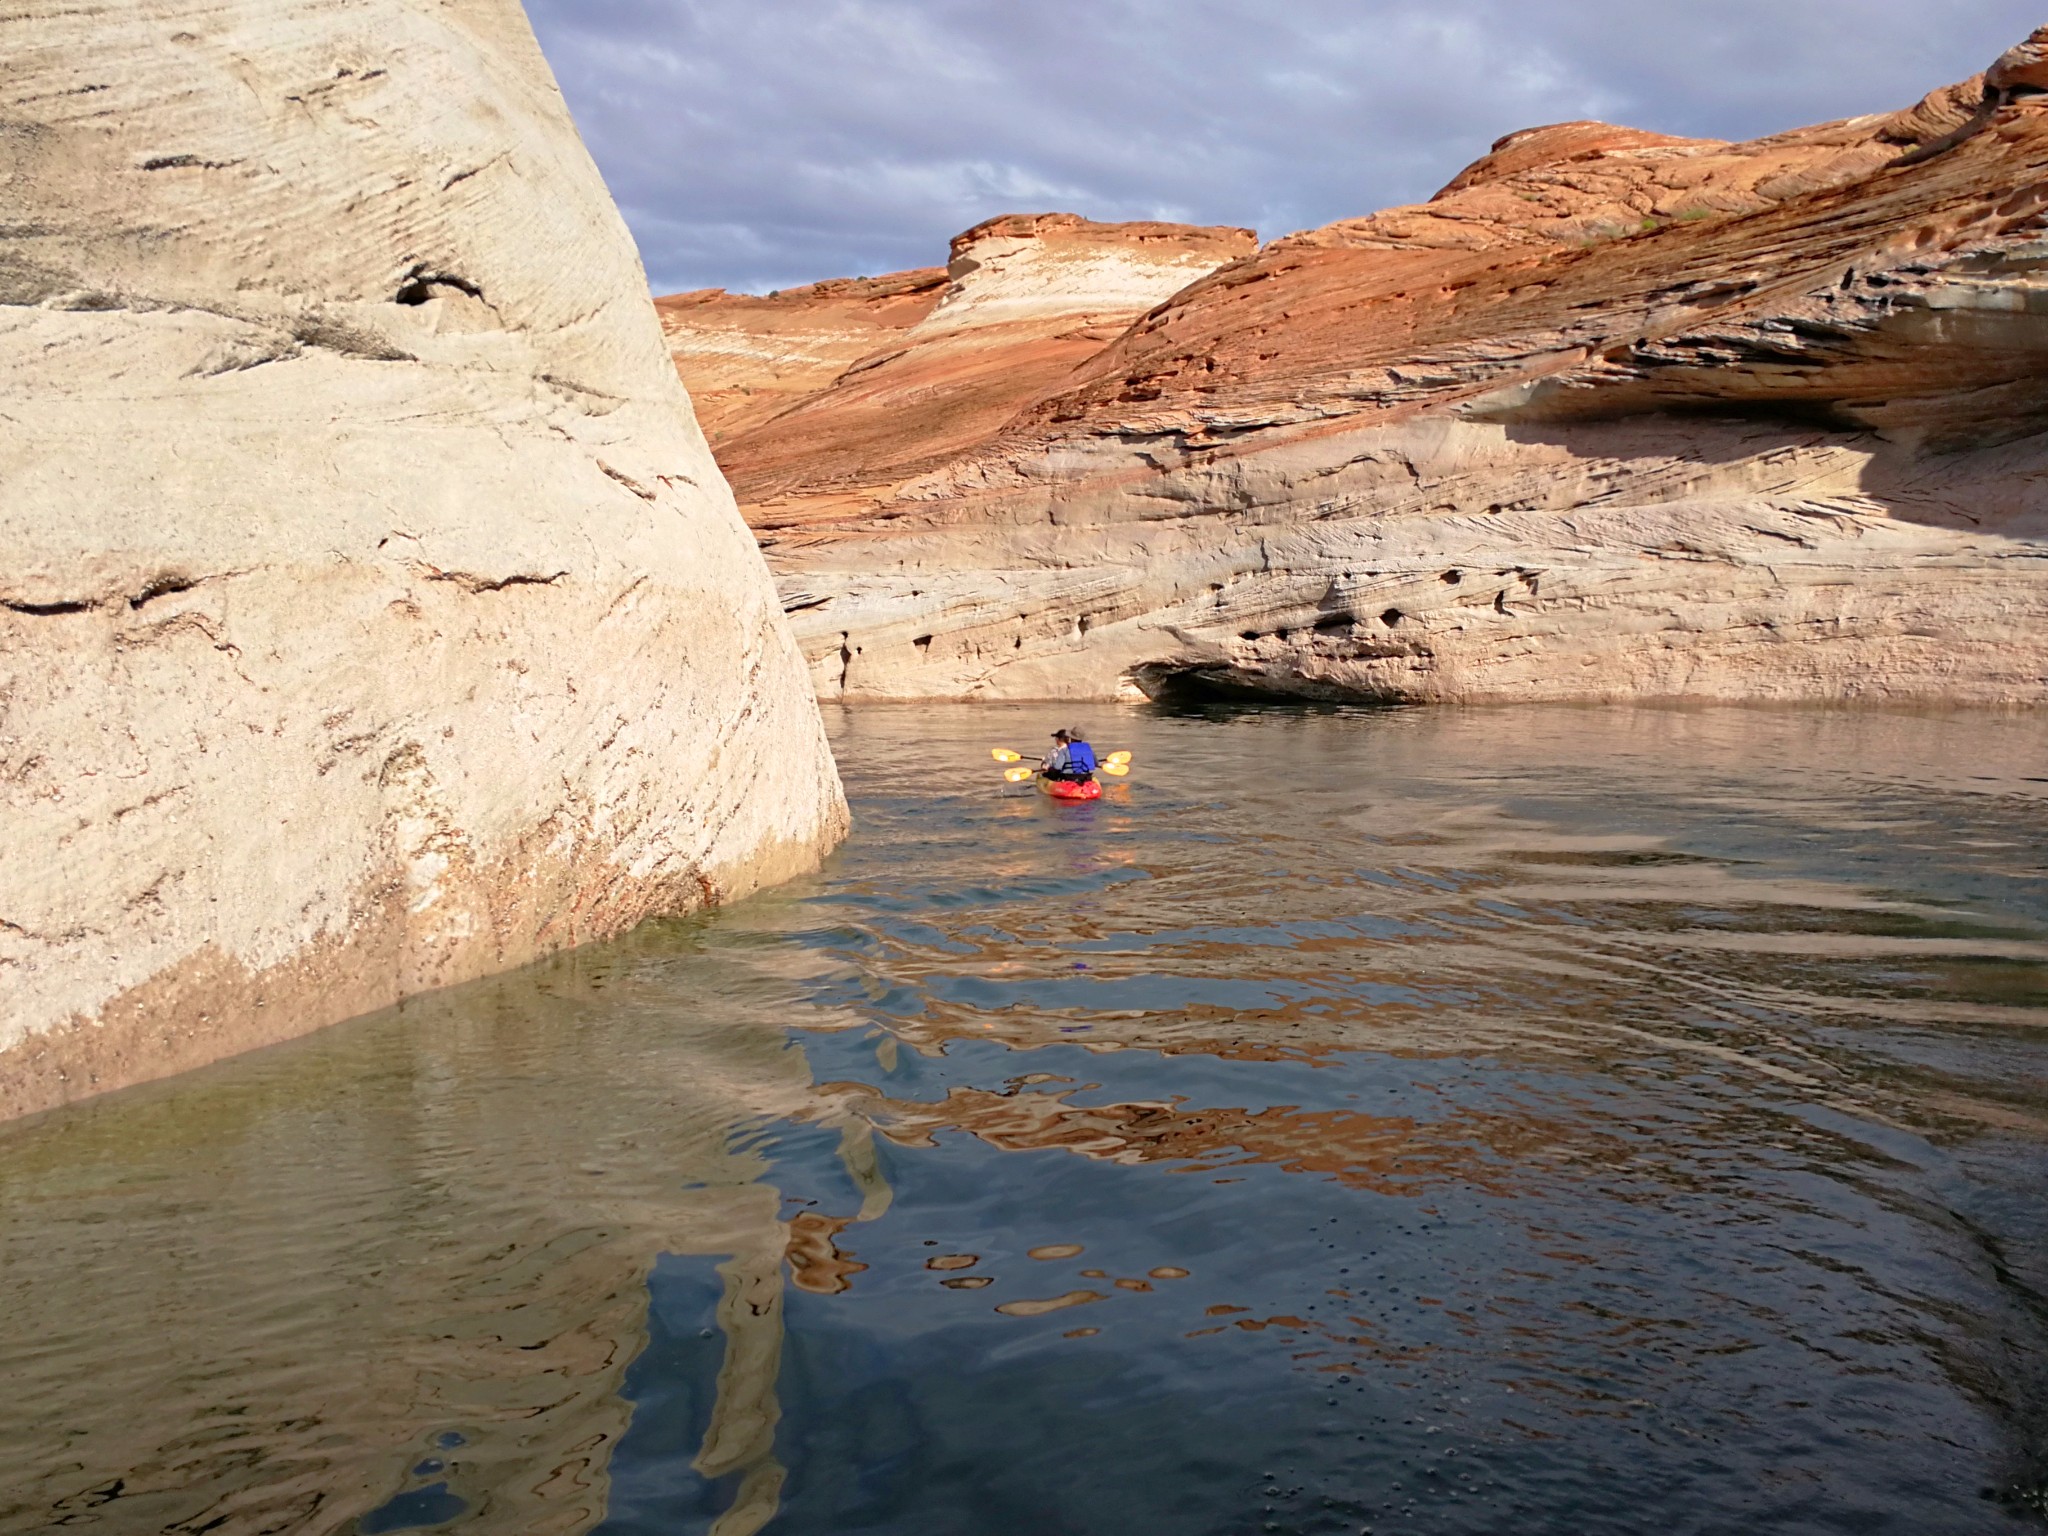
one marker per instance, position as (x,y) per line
(372,615)
(1060,267)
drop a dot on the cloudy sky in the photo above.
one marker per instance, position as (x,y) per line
(757,144)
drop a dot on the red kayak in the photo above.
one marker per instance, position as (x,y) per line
(1072,789)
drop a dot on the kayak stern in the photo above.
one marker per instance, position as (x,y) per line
(1072,789)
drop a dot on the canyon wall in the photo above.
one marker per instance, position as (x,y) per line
(1614,414)
(1027,300)
(372,615)
(749,358)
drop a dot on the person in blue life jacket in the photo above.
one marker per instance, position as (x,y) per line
(1072,760)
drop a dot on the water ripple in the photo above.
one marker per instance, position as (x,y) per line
(1566,1121)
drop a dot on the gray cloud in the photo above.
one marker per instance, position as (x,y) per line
(765,143)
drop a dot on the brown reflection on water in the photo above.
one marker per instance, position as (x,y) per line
(1389,1155)
(816,1262)
(1445,930)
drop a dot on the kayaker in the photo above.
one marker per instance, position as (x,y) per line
(1072,760)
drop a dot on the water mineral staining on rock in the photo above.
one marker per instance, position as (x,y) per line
(372,614)
(1614,414)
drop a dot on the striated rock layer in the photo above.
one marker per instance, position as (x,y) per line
(749,358)
(1614,414)
(372,615)
(1027,299)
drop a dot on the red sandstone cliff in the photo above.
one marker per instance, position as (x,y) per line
(748,358)
(1614,413)
(924,366)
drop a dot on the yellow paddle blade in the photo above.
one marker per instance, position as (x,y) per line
(1116,770)
(1004,755)
(1118,757)
(1017,775)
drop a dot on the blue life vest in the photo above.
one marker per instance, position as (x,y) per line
(1080,757)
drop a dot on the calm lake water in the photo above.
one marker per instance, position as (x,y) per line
(1538,1120)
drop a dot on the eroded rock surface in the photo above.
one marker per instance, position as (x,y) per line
(1614,414)
(372,615)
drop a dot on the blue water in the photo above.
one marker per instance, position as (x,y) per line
(1539,1120)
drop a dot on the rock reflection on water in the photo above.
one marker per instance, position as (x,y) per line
(398,1269)
(1553,1120)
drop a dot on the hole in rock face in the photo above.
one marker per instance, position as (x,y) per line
(1248,634)
(45,610)
(1392,617)
(1330,622)
(1451,578)
(419,285)
(923,642)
